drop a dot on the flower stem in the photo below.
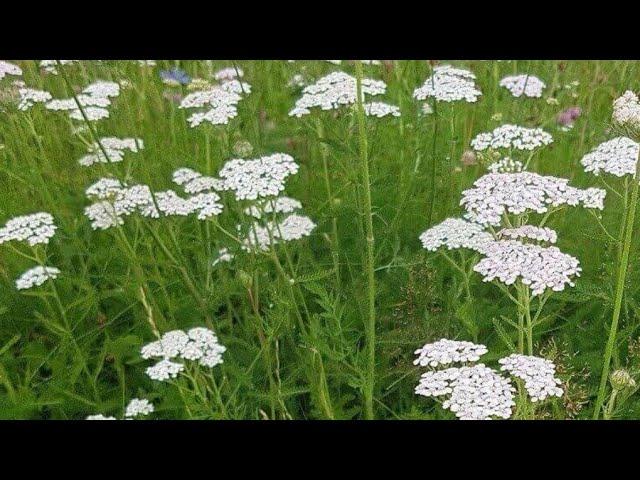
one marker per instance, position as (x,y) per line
(370,324)
(622,275)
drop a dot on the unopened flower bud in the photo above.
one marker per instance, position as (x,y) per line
(621,380)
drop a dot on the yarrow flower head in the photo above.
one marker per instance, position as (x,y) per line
(99,417)
(37,228)
(228,74)
(29,97)
(474,393)
(258,178)
(531,232)
(496,194)
(216,106)
(381,109)
(224,255)
(618,157)
(7,68)
(535,266)
(626,111)
(506,165)
(514,137)
(138,407)
(36,276)
(449,84)
(94,101)
(527,85)
(198,344)
(50,66)
(334,91)
(538,375)
(293,227)
(194,182)
(115,149)
(454,233)
(279,205)
(445,352)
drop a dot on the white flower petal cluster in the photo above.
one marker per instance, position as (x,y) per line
(456,233)
(626,110)
(7,68)
(333,91)
(495,194)
(223,256)
(538,375)
(449,84)
(512,137)
(218,106)
(138,407)
(279,205)
(99,417)
(29,97)
(506,165)
(474,393)
(539,234)
(618,157)
(37,228)
(194,182)
(538,267)
(258,178)
(115,149)
(381,109)
(50,66)
(527,85)
(228,74)
(119,200)
(146,63)
(293,227)
(237,87)
(94,101)
(197,344)
(445,352)
(36,276)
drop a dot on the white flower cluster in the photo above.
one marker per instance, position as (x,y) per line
(333,91)
(50,66)
(539,234)
(99,417)
(236,86)
(228,74)
(445,352)
(115,149)
(36,276)
(449,84)
(495,194)
(119,200)
(527,85)
(381,109)
(293,227)
(94,101)
(506,165)
(218,106)
(279,205)
(618,157)
(223,256)
(7,68)
(512,137)
(258,178)
(138,407)
(198,344)
(538,267)
(146,63)
(194,182)
(34,229)
(29,97)
(456,233)
(626,110)
(475,393)
(538,375)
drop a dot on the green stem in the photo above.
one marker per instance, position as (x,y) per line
(622,275)
(370,325)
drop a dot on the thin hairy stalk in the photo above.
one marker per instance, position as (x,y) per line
(622,275)
(370,325)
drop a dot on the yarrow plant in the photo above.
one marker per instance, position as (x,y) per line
(477,392)
(110,150)
(92,103)
(449,84)
(7,68)
(527,85)
(136,408)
